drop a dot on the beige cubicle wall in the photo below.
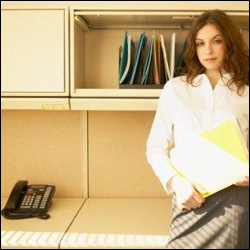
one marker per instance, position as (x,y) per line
(43,147)
(117,162)
(49,147)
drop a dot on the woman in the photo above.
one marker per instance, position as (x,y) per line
(213,88)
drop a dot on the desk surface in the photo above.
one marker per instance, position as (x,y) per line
(101,223)
(120,223)
(36,233)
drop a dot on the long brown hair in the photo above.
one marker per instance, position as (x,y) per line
(236,59)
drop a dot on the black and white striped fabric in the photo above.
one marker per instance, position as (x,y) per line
(221,223)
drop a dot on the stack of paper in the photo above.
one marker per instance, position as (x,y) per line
(213,160)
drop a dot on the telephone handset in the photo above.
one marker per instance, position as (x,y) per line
(29,201)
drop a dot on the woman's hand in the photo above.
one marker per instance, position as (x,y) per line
(186,194)
(243,181)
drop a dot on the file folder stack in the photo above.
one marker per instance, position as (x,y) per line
(150,67)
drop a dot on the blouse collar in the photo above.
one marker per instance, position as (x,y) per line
(202,78)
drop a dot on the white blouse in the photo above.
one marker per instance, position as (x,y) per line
(198,107)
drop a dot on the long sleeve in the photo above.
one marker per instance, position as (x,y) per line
(198,107)
(160,139)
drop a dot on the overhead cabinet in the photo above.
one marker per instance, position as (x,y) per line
(34,45)
(97,47)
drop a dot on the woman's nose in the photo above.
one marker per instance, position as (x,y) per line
(208,48)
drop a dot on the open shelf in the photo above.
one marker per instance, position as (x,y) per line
(96,36)
(96,39)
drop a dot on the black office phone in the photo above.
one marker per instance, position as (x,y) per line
(29,201)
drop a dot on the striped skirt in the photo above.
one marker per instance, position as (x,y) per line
(222,222)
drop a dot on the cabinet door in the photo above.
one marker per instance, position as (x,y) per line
(33,52)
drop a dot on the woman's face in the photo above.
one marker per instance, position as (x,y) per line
(210,47)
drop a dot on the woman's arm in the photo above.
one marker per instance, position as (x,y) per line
(160,139)
(159,144)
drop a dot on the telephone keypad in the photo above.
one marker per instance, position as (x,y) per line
(36,197)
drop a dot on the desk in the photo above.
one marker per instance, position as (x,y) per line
(120,223)
(36,233)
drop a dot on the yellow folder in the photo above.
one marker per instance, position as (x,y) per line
(213,159)
(227,135)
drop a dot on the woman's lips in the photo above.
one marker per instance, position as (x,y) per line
(210,59)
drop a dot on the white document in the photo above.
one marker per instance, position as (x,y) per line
(165,58)
(209,167)
(172,55)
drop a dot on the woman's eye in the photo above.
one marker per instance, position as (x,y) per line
(199,44)
(218,41)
